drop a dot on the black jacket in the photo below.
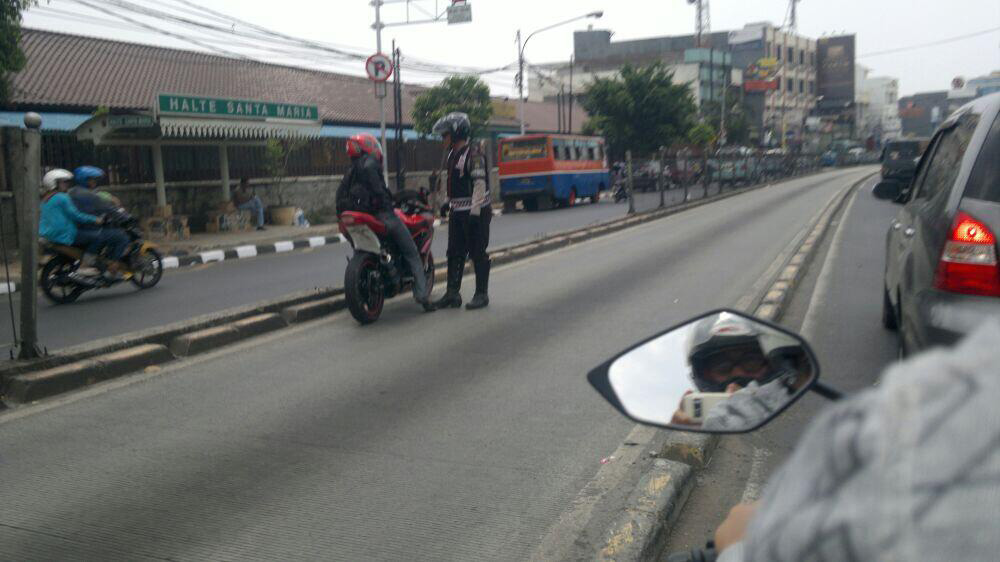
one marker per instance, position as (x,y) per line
(363,188)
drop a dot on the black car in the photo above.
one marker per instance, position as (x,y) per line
(899,158)
(942,277)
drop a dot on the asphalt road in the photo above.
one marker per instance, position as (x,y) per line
(451,436)
(837,308)
(193,291)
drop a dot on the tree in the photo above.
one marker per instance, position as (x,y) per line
(11,57)
(640,110)
(277,155)
(468,94)
(737,120)
(701,135)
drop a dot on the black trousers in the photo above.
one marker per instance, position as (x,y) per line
(468,236)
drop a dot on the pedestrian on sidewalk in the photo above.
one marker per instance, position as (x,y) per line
(470,210)
(363,189)
(246,200)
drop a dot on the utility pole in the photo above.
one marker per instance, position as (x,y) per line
(398,114)
(28,173)
(569,107)
(381,99)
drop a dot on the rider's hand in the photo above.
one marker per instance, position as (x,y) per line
(733,529)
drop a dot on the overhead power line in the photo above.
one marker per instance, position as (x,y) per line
(931,44)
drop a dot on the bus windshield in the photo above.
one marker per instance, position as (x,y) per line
(527,149)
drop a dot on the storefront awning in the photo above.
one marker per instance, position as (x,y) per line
(182,127)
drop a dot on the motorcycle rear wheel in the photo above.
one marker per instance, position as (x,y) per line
(363,288)
(59,292)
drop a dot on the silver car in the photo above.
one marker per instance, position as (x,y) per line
(942,276)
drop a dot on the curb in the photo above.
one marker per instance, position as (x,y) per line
(86,364)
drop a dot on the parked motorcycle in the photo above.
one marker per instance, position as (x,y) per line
(377,270)
(141,264)
(675,380)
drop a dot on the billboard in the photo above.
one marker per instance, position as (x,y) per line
(835,72)
(761,75)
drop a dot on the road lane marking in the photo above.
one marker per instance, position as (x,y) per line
(755,481)
(246,251)
(822,289)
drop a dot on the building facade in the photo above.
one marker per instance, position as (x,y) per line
(920,114)
(882,94)
(780,80)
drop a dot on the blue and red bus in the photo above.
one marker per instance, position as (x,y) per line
(547,170)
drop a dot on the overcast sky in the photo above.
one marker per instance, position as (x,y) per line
(488,41)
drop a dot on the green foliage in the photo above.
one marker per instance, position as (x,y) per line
(701,135)
(640,110)
(11,57)
(737,120)
(276,157)
(468,94)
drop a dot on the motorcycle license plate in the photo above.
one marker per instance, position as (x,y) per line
(364,239)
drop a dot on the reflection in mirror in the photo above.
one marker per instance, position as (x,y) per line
(721,373)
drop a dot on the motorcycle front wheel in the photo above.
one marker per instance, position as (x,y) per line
(363,288)
(147,269)
(55,281)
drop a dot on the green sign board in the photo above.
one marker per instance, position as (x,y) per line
(130,121)
(196,106)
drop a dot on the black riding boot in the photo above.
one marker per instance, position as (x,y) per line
(452,298)
(481,299)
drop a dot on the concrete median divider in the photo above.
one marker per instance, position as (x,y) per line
(71,368)
(29,387)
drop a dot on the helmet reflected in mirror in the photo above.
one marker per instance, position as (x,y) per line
(723,372)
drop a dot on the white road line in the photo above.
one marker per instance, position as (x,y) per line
(317,241)
(756,479)
(820,293)
(7,288)
(342,238)
(171,262)
(246,251)
(214,255)
(284,246)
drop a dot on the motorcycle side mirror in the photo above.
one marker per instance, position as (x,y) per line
(722,372)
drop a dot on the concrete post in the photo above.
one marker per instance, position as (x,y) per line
(630,184)
(224,168)
(660,182)
(161,185)
(30,171)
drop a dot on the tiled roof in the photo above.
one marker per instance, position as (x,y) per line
(76,71)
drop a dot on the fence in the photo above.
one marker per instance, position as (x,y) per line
(134,164)
(687,175)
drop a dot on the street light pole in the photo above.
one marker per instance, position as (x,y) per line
(520,80)
(520,55)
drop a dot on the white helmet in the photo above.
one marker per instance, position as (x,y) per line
(51,179)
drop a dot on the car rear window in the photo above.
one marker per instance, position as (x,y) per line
(984,182)
(903,150)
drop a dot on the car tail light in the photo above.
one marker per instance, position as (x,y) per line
(969,260)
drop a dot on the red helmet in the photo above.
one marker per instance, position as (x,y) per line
(364,144)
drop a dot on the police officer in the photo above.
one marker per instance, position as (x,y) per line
(471,211)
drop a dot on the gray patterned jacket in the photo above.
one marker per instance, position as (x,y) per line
(909,470)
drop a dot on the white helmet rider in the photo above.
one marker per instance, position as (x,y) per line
(52,178)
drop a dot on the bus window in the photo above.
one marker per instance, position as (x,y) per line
(559,149)
(592,150)
(527,149)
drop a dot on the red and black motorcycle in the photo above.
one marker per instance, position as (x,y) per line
(377,270)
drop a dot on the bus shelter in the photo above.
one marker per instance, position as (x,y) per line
(183,120)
